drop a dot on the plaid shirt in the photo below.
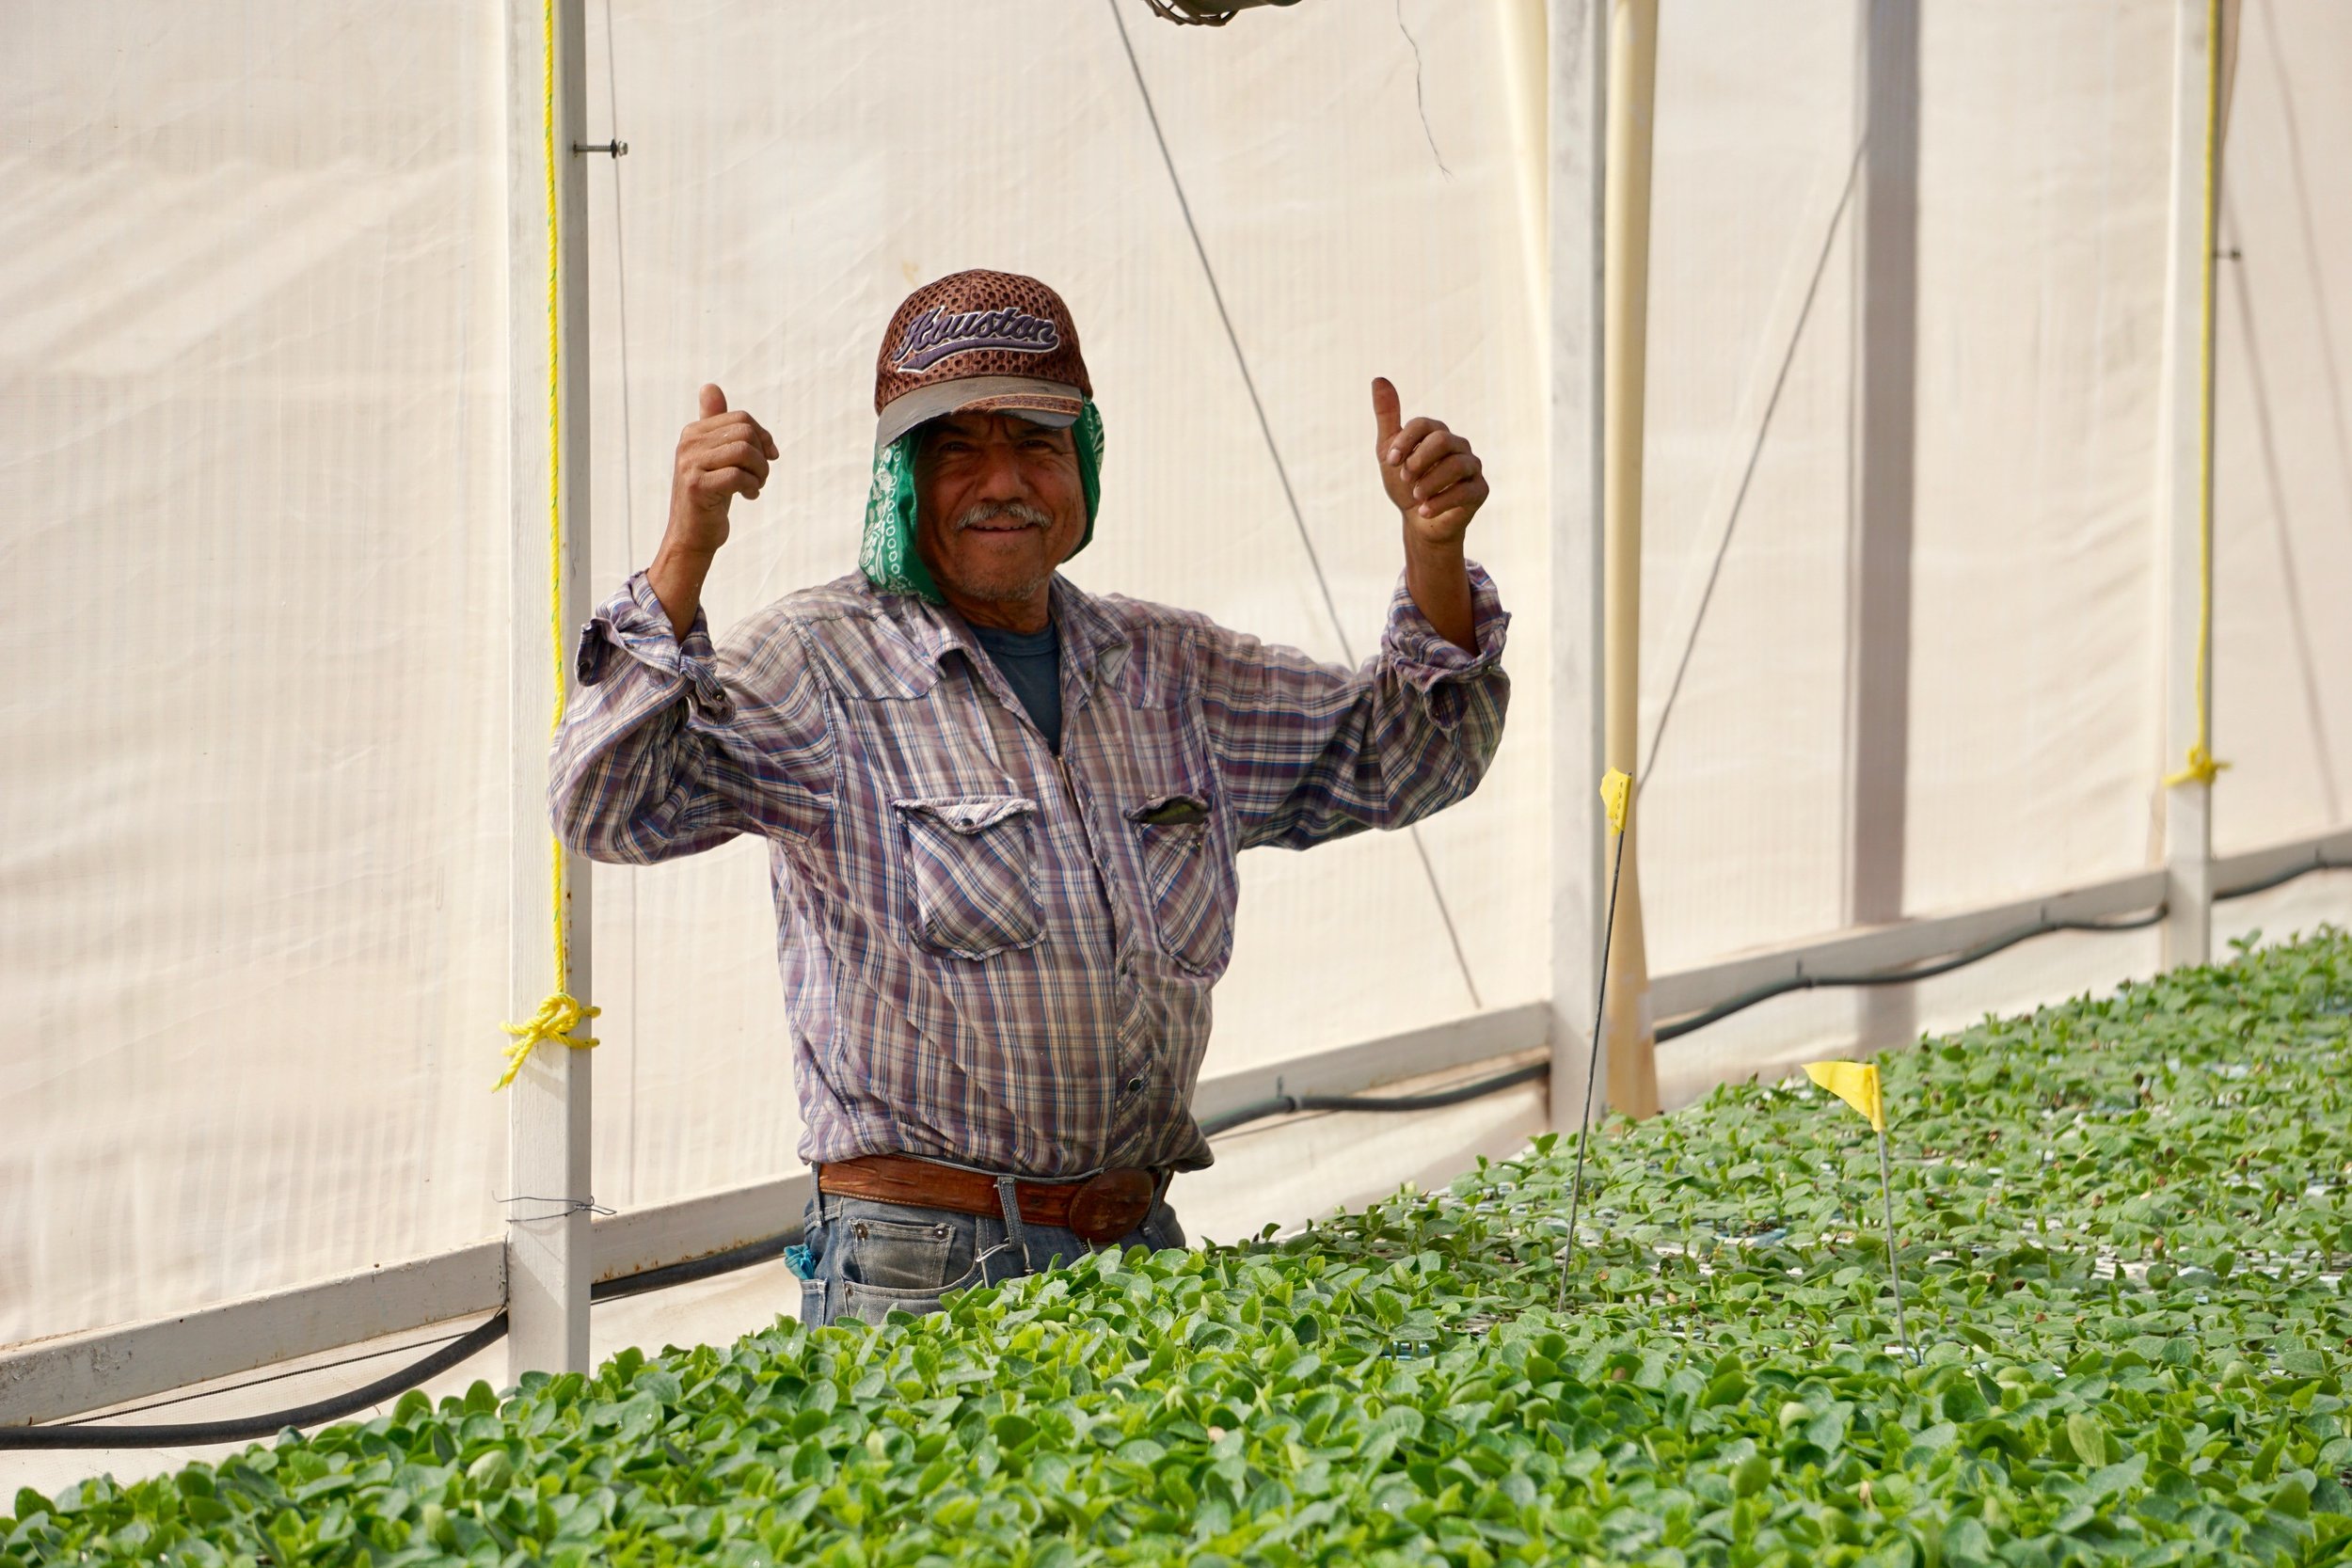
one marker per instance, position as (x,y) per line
(993,955)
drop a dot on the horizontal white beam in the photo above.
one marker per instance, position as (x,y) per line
(48,1380)
(45,1380)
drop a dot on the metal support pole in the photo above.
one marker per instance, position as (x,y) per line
(548,1263)
(1575,73)
(1627,1030)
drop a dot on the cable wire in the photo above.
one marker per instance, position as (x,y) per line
(1437,1100)
(1291,1104)
(1591,1057)
(242,1429)
(2318,862)
(1755,454)
(743,1257)
(456,1348)
(1281,471)
(1929,970)
(264,1382)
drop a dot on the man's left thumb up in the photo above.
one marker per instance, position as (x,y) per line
(1386,413)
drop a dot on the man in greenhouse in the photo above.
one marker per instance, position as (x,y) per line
(1003,812)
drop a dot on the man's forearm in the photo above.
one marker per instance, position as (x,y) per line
(1439,579)
(676,575)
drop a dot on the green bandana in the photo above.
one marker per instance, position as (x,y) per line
(888,556)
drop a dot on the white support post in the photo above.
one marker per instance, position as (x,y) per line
(2185,483)
(1575,76)
(547,1251)
(1886,368)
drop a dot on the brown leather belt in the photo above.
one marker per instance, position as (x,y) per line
(1101,1208)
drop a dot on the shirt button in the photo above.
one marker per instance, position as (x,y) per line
(1136,1086)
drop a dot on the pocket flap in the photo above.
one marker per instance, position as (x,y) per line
(970,813)
(1170,811)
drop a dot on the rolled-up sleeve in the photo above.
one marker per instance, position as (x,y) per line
(1309,751)
(672,745)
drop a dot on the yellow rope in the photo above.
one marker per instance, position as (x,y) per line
(560,1013)
(2201,767)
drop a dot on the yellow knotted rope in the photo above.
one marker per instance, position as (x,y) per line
(561,1012)
(2201,767)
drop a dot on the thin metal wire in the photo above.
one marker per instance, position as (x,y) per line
(1591,1063)
(570,1206)
(1755,452)
(1421,102)
(1886,1186)
(1266,426)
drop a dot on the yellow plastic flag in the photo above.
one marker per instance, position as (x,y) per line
(1855,1082)
(1616,793)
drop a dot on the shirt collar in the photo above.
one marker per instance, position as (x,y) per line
(1089,632)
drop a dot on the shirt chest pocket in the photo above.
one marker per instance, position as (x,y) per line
(1190,886)
(971,864)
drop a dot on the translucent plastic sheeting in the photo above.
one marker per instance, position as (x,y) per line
(2018,310)
(2037,634)
(2282,673)
(1741,781)
(253,933)
(2020,748)
(783,193)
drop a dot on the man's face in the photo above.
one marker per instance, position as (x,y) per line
(999,506)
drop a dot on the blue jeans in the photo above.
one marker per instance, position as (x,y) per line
(870,1260)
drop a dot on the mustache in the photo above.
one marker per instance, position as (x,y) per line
(990,512)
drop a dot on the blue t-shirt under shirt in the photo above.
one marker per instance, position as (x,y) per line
(1032,662)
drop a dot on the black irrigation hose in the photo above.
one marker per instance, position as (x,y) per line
(248,1428)
(692,1269)
(1983,950)
(245,1429)
(1290,1104)
(2318,863)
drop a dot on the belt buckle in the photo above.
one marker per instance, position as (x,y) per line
(1110,1204)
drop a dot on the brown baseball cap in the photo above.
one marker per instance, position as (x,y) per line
(978,342)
